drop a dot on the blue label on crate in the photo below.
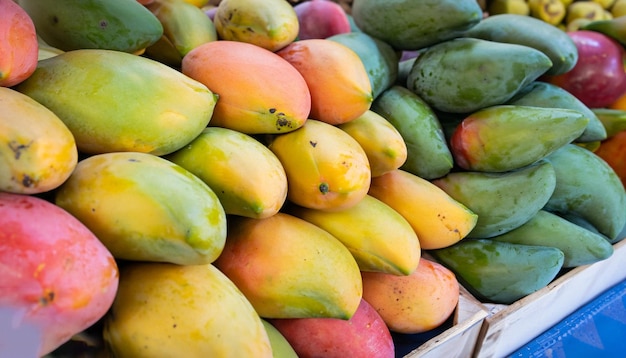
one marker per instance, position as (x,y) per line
(596,329)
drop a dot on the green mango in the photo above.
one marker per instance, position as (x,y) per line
(379,58)
(543,94)
(120,25)
(579,245)
(588,187)
(613,120)
(532,32)
(411,25)
(428,154)
(501,272)
(281,348)
(146,208)
(502,201)
(116,101)
(507,137)
(466,74)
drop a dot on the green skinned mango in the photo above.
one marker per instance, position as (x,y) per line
(588,187)
(501,272)
(532,32)
(428,154)
(379,58)
(411,25)
(464,75)
(502,201)
(508,137)
(579,245)
(115,101)
(120,25)
(543,94)
(613,120)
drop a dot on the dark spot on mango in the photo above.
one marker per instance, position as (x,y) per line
(324,188)
(18,148)
(55,20)
(27,181)
(103,24)
(47,298)
(133,160)
(313,143)
(174,325)
(272,110)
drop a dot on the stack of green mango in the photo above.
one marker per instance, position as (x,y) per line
(480,124)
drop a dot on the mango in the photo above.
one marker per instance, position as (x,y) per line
(246,176)
(146,208)
(411,25)
(281,348)
(118,25)
(384,146)
(336,77)
(38,152)
(326,168)
(378,57)
(428,154)
(501,272)
(466,74)
(320,19)
(126,101)
(502,201)
(163,309)
(508,137)
(18,44)
(437,218)
(269,24)
(289,268)
(380,239)
(259,92)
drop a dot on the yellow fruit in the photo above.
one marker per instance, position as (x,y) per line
(619,8)
(326,168)
(519,7)
(550,11)
(163,310)
(584,9)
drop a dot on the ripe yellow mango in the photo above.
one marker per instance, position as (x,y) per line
(145,208)
(37,152)
(381,141)
(326,168)
(289,268)
(436,217)
(336,77)
(115,101)
(259,92)
(379,238)
(245,175)
(165,310)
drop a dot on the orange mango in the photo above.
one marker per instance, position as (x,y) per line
(259,92)
(326,168)
(340,87)
(613,151)
(438,219)
(19,48)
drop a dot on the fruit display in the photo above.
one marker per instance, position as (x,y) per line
(274,178)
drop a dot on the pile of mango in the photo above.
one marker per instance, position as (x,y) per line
(264,178)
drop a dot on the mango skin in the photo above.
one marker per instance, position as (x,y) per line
(245,175)
(194,309)
(118,25)
(411,25)
(438,219)
(290,268)
(145,208)
(37,151)
(126,101)
(380,239)
(466,74)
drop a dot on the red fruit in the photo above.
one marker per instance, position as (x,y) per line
(320,19)
(598,78)
(56,277)
(19,49)
(363,335)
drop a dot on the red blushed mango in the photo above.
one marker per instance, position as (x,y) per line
(416,303)
(18,44)
(259,92)
(340,87)
(53,269)
(613,151)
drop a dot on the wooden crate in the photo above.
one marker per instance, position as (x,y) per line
(508,327)
(458,341)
